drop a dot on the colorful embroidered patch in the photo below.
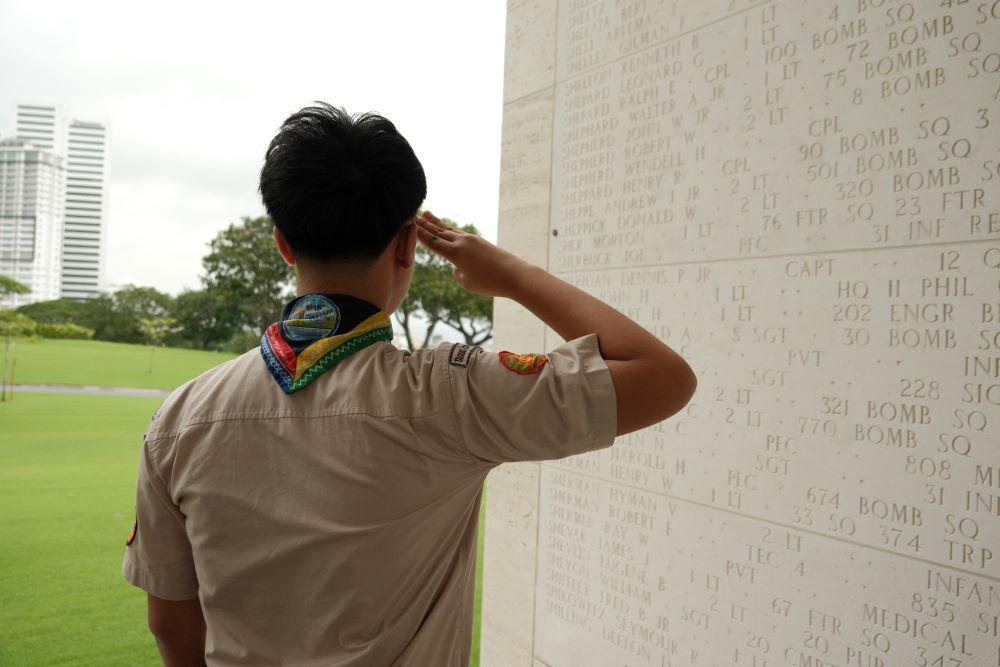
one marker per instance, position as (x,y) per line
(131,536)
(523,363)
(463,355)
(312,317)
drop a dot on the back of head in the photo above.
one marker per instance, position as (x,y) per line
(339,187)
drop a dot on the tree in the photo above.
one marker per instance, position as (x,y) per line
(9,286)
(13,323)
(117,316)
(437,296)
(470,314)
(205,319)
(154,330)
(57,311)
(245,270)
(430,271)
(10,320)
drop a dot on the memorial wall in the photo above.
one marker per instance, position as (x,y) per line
(802,197)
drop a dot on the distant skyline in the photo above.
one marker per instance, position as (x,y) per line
(193,95)
(82,225)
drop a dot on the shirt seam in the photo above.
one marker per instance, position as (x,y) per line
(139,574)
(241,416)
(459,438)
(149,444)
(161,570)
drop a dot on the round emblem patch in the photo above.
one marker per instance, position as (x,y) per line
(312,317)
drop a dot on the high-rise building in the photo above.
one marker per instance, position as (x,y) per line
(83,145)
(42,125)
(85,232)
(32,190)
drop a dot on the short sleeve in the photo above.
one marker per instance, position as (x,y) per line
(158,557)
(533,407)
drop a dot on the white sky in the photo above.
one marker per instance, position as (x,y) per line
(194,91)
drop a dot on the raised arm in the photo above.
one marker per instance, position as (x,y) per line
(652,382)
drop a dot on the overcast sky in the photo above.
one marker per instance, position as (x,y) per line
(194,91)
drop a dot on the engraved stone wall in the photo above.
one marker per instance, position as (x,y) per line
(803,197)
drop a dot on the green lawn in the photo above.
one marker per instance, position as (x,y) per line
(67,489)
(88,362)
(67,485)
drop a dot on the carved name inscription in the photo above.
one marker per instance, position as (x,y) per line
(802,197)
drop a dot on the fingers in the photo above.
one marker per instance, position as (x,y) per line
(433,223)
(436,241)
(427,216)
(435,234)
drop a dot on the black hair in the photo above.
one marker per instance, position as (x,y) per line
(339,187)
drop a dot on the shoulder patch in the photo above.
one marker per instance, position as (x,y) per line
(131,535)
(523,363)
(463,355)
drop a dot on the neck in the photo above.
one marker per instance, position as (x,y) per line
(364,285)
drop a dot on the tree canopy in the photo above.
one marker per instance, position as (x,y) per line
(244,286)
(437,297)
(10,286)
(205,319)
(57,311)
(246,272)
(117,316)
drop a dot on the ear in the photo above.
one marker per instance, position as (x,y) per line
(406,243)
(283,248)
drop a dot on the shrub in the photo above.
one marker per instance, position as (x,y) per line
(64,330)
(16,324)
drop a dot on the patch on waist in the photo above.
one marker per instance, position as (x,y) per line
(131,535)
(523,363)
(463,355)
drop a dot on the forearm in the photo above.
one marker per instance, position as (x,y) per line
(189,652)
(651,380)
(572,313)
(179,629)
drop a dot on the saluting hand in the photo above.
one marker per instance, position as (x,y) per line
(651,380)
(480,266)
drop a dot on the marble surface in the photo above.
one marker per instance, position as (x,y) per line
(802,197)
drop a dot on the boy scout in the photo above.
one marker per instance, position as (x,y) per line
(315,501)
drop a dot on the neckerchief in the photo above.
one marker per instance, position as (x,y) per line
(305,342)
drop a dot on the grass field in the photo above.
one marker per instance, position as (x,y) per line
(100,364)
(67,492)
(67,489)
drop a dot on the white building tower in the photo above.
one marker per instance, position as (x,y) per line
(85,233)
(32,187)
(83,145)
(43,125)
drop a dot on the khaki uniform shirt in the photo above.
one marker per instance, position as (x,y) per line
(337,525)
